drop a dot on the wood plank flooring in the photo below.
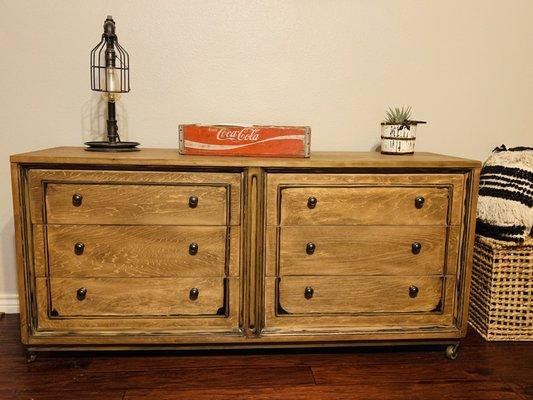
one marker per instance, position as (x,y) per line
(483,370)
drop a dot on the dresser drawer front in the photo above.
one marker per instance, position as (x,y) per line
(362,250)
(103,297)
(364,206)
(350,295)
(135,204)
(136,251)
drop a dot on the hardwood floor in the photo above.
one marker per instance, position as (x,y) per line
(483,370)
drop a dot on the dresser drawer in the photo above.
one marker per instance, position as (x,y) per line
(134,197)
(136,251)
(135,204)
(349,295)
(362,250)
(101,297)
(364,205)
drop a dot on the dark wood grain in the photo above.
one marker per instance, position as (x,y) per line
(74,395)
(270,358)
(168,380)
(7,395)
(389,391)
(361,374)
(483,370)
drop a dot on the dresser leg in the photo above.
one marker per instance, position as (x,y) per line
(452,351)
(31,356)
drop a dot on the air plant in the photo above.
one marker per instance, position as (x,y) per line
(398,116)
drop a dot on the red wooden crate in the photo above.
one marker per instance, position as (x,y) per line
(255,140)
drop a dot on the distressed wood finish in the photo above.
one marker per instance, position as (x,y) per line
(135,297)
(252,270)
(363,206)
(39,178)
(23,253)
(136,251)
(171,158)
(417,180)
(380,250)
(148,329)
(252,225)
(363,325)
(135,204)
(385,206)
(340,295)
(469,230)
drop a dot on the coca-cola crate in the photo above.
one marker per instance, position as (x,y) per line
(254,140)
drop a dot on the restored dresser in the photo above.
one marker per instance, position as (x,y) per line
(156,250)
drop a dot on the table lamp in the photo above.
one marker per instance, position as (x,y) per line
(110,75)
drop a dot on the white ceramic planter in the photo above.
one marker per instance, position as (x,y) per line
(398,139)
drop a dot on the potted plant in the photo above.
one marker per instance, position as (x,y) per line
(398,131)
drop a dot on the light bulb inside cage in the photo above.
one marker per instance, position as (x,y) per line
(111,84)
(110,63)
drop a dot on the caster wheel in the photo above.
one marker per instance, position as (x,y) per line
(452,351)
(31,357)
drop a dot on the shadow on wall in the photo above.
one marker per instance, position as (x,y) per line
(8,266)
(376,147)
(94,117)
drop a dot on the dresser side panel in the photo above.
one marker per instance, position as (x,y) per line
(21,242)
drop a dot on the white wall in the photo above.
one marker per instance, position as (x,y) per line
(464,66)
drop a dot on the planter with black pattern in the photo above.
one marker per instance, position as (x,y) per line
(398,138)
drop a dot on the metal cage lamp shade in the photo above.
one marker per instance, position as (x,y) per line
(110,74)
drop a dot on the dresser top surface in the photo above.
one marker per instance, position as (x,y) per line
(171,157)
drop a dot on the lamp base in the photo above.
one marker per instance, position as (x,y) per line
(109,146)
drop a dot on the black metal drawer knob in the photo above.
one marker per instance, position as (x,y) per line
(193,201)
(416,247)
(81,293)
(193,294)
(309,292)
(193,249)
(310,248)
(419,202)
(413,291)
(78,248)
(311,202)
(77,199)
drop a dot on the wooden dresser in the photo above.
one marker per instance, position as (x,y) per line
(153,249)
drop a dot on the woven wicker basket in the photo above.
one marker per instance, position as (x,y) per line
(501,299)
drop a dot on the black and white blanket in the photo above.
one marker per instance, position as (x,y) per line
(505,205)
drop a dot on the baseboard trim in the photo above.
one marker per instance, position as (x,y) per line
(9,303)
